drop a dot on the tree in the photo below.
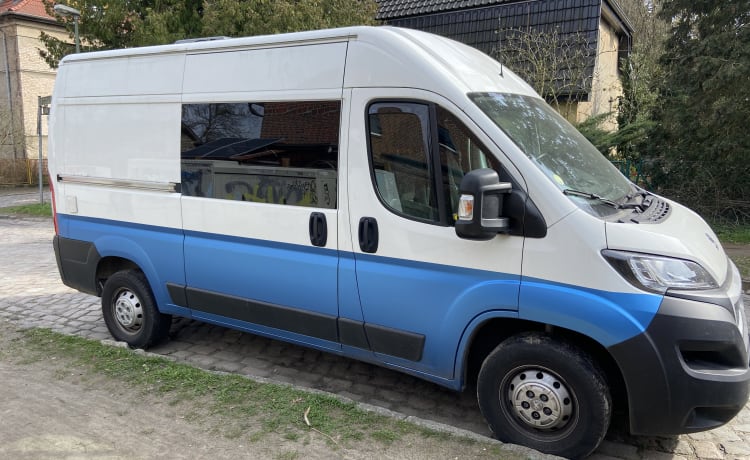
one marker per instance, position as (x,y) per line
(642,75)
(14,168)
(255,17)
(700,146)
(122,23)
(11,134)
(558,66)
(609,142)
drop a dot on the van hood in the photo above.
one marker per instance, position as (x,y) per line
(682,234)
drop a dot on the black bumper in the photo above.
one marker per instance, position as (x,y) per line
(77,262)
(689,370)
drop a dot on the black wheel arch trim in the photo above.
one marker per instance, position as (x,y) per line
(77,262)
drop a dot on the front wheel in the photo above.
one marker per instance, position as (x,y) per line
(130,311)
(545,394)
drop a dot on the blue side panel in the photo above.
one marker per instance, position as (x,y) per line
(607,317)
(282,274)
(435,300)
(348,297)
(157,250)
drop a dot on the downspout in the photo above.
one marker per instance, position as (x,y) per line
(10,99)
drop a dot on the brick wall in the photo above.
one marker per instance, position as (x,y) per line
(401,135)
(314,122)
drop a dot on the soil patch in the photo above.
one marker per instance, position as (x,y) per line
(53,407)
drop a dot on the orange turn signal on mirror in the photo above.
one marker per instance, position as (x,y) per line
(466,207)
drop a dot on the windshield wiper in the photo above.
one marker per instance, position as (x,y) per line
(592,196)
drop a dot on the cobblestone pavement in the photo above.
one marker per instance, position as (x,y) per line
(31,295)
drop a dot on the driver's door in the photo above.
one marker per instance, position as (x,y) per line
(419,284)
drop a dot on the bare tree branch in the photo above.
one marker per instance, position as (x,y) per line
(558,66)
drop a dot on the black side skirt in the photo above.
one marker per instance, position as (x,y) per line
(379,339)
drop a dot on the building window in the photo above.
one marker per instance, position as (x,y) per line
(267,152)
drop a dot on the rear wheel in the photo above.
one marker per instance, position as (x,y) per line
(130,312)
(545,394)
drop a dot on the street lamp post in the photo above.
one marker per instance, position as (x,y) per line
(65,10)
(43,109)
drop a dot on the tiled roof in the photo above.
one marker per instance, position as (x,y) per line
(491,24)
(483,27)
(389,9)
(32,8)
(397,9)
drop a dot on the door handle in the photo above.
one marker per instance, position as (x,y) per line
(318,229)
(368,234)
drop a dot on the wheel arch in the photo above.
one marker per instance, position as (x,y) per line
(110,265)
(490,332)
(119,253)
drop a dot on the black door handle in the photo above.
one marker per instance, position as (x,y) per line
(368,234)
(318,229)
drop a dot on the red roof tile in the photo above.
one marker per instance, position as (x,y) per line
(34,8)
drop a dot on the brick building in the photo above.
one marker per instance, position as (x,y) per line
(24,76)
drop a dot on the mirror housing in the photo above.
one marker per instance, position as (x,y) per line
(480,208)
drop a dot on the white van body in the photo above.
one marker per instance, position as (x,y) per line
(364,250)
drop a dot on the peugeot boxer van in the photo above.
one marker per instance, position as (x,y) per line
(402,199)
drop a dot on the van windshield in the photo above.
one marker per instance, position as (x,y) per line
(564,154)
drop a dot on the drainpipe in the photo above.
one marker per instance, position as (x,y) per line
(10,99)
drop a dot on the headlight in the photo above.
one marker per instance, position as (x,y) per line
(657,274)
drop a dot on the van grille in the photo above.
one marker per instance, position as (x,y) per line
(656,211)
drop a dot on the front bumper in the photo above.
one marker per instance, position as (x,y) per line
(690,370)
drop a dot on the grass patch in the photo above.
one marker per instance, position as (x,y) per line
(277,408)
(36,209)
(385,436)
(289,455)
(732,233)
(237,407)
(743,264)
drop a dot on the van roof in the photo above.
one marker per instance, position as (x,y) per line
(290,39)
(381,54)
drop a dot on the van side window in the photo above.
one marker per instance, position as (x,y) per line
(263,152)
(401,160)
(403,146)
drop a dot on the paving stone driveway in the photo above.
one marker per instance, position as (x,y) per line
(31,295)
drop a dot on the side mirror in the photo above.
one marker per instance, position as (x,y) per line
(480,208)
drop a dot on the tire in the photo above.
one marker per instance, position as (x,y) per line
(130,312)
(546,394)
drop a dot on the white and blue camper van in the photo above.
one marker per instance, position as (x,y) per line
(402,199)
